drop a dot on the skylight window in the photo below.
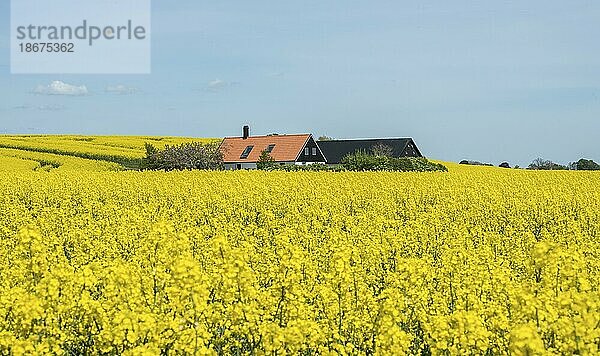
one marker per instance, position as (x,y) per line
(270,148)
(246,152)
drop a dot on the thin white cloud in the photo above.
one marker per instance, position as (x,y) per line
(23,107)
(121,90)
(51,107)
(46,107)
(276,74)
(218,85)
(58,87)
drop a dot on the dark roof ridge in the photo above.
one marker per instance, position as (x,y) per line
(369,139)
(335,150)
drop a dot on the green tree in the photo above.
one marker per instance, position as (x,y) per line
(265,161)
(545,165)
(587,165)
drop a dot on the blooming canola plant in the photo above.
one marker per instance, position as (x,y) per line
(476,260)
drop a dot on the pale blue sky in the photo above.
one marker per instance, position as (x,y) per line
(488,81)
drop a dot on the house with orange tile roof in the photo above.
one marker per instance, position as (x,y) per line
(244,152)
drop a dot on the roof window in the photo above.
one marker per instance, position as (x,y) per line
(246,152)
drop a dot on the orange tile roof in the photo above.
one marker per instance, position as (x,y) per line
(287,147)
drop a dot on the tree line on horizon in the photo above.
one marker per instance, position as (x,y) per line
(546,165)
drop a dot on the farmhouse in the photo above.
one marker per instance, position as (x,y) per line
(244,152)
(335,150)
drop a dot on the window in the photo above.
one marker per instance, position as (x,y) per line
(246,152)
(270,148)
(306,151)
(314,151)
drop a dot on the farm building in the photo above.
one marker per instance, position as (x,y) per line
(244,152)
(335,150)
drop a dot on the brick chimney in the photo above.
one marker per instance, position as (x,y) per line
(246,132)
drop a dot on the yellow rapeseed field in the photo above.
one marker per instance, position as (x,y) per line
(12,160)
(128,150)
(474,261)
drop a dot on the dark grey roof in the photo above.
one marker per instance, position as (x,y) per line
(335,150)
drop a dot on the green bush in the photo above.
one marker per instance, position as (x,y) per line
(362,161)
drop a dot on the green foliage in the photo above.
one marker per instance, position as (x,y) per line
(362,161)
(587,165)
(186,156)
(150,150)
(545,165)
(265,161)
(324,138)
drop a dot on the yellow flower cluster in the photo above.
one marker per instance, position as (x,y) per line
(11,164)
(474,261)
